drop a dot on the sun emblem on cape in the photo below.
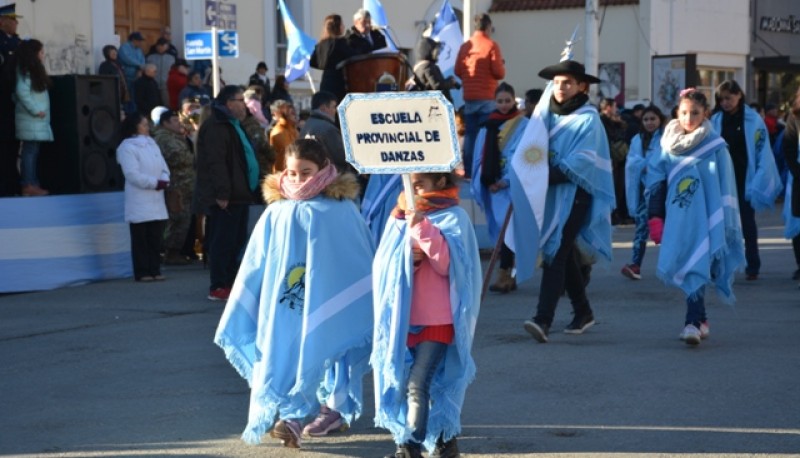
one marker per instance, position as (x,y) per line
(685,191)
(533,155)
(294,287)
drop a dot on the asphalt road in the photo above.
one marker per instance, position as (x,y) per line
(126,369)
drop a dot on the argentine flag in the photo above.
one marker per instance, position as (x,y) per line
(378,15)
(299,47)
(530,171)
(447,31)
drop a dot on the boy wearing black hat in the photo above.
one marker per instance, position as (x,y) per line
(580,197)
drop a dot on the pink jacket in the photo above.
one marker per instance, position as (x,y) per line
(430,299)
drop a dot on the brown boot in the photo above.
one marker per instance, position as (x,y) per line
(33,191)
(505,282)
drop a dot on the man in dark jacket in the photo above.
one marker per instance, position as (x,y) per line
(427,72)
(362,38)
(227,178)
(9,145)
(322,126)
(145,91)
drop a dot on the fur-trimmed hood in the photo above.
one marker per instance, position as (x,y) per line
(345,186)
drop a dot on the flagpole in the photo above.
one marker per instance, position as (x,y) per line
(311,82)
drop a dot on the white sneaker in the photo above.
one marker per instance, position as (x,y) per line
(705,331)
(690,335)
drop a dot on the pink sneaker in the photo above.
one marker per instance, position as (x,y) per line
(705,331)
(632,271)
(328,420)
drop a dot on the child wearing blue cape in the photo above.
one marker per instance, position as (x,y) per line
(644,145)
(298,323)
(491,165)
(693,211)
(758,182)
(427,282)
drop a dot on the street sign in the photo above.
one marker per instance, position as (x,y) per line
(197,45)
(228,44)
(399,132)
(220,14)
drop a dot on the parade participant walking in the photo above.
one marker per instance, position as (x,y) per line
(758,182)
(480,66)
(693,211)
(146,178)
(428,318)
(298,324)
(494,146)
(32,112)
(791,205)
(227,177)
(177,151)
(579,200)
(645,145)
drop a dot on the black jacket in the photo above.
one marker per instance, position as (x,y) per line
(790,149)
(328,53)
(427,73)
(146,95)
(360,45)
(221,163)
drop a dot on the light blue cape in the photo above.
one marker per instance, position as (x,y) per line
(391,358)
(636,169)
(495,204)
(300,312)
(380,197)
(702,241)
(763,181)
(579,148)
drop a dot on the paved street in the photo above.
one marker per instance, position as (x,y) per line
(126,369)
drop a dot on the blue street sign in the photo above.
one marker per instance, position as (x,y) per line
(197,45)
(220,14)
(228,43)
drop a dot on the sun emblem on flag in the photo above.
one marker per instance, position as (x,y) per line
(685,191)
(294,287)
(533,155)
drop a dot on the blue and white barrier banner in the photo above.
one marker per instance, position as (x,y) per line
(55,241)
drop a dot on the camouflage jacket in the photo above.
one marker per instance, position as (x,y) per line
(179,156)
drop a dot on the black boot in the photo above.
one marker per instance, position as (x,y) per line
(447,449)
(406,451)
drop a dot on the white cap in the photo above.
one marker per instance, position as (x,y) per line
(155,114)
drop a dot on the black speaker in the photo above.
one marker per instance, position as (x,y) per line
(85,118)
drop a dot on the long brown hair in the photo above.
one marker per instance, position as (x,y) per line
(29,64)
(331,26)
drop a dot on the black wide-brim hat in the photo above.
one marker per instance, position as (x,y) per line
(568,67)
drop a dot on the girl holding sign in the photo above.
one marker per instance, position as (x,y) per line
(494,146)
(298,323)
(426,287)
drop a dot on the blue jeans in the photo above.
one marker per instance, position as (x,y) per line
(642,233)
(476,112)
(427,357)
(696,308)
(30,154)
(750,232)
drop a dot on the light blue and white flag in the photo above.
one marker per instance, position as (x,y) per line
(530,170)
(447,31)
(378,15)
(299,47)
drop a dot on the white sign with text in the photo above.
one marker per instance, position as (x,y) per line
(399,132)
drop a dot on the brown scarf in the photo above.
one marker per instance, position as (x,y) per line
(427,202)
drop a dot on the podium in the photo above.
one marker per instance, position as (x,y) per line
(375,72)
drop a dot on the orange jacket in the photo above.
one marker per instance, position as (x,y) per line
(480,66)
(282,135)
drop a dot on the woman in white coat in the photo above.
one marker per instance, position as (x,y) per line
(146,177)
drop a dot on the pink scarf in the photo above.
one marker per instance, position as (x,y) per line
(311,187)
